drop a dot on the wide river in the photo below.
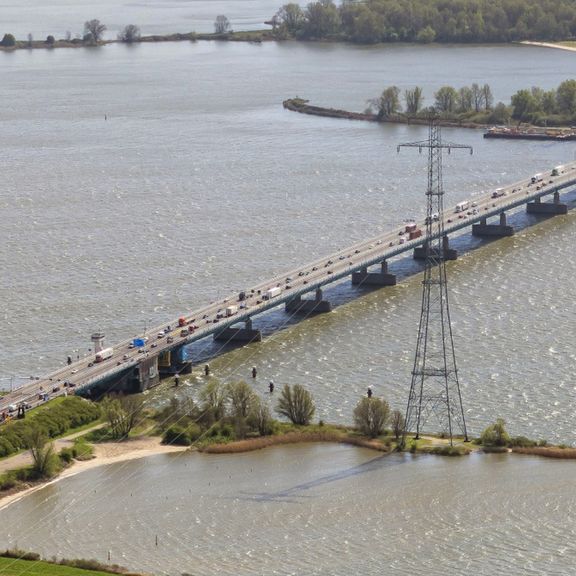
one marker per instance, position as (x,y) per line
(140,182)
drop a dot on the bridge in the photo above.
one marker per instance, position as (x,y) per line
(132,369)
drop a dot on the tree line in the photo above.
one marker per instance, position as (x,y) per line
(475,103)
(425,21)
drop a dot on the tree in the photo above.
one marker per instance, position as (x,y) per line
(130,33)
(523,104)
(291,18)
(8,40)
(123,414)
(30,40)
(45,462)
(426,35)
(477,97)
(566,97)
(50,40)
(93,31)
(296,404)
(213,398)
(241,397)
(371,415)
(322,19)
(397,424)
(446,99)
(500,114)
(465,99)
(259,417)
(495,434)
(222,24)
(389,102)
(414,99)
(487,97)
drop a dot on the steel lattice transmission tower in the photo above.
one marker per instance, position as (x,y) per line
(435,389)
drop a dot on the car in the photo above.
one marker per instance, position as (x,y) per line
(356,251)
(142,350)
(305,282)
(314,268)
(379,242)
(12,408)
(90,364)
(73,371)
(329,272)
(449,220)
(300,273)
(341,258)
(55,388)
(170,339)
(474,204)
(153,345)
(258,301)
(288,280)
(391,244)
(125,357)
(131,345)
(71,385)
(288,287)
(161,335)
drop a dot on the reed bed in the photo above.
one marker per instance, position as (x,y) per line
(292,438)
(548,452)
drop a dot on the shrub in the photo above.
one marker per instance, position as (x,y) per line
(176,435)
(495,434)
(296,404)
(20,554)
(521,442)
(371,415)
(8,40)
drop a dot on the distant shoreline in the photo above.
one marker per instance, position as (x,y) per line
(250,36)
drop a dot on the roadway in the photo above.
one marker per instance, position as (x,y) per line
(292,283)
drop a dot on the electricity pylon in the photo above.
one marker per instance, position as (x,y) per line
(435,388)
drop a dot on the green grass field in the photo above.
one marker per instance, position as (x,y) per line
(12,567)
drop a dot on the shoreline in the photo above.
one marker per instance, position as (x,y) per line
(104,454)
(548,45)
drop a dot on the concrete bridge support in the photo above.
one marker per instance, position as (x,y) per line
(447,252)
(382,278)
(246,334)
(484,230)
(547,208)
(316,306)
(172,362)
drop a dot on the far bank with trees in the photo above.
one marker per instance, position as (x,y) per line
(469,107)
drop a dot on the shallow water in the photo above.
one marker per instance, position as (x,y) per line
(309,509)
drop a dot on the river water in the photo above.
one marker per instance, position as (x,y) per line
(310,510)
(139,182)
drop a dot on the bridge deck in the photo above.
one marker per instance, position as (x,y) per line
(304,279)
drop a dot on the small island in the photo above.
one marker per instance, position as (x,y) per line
(532,113)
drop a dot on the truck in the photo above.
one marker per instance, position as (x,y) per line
(536,178)
(462,206)
(231,310)
(272,292)
(138,342)
(498,192)
(411,227)
(104,354)
(181,321)
(416,233)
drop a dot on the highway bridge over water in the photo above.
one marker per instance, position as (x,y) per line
(133,369)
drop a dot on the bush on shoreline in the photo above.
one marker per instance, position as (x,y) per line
(52,421)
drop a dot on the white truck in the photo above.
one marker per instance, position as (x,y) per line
(231,310)
(104,354)
(272,292)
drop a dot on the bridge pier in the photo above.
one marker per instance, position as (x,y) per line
(448,253)
(382,278)
(246,334)
(316,306)
(172,362)
(484,230)
(553,208)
